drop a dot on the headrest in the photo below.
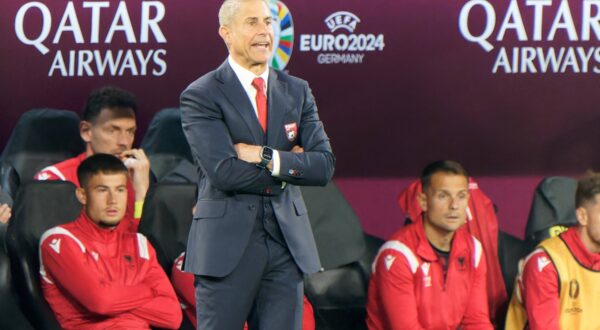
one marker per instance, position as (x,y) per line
(39,206)
(164,142)
(552,208)
(40,138)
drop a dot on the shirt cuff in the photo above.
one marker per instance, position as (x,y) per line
(137,210)
(276,164)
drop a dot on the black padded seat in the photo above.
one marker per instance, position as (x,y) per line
(38,207)
(552,209)
(166,220)
(42,137)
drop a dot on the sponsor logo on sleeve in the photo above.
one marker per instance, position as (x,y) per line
(55,245)
(542,262)
(389,260)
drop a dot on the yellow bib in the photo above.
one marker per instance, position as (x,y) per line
(516,317)
(579,288)
(579,291)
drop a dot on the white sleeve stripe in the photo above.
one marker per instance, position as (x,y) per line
(478,251)
(143,246)
(55,171)
(61,231)
(413,262)
(50,232)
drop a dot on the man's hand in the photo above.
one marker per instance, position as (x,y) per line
(248,153)
(297,149)
(139,170)
(5,213)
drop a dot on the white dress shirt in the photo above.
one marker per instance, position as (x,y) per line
(246,77)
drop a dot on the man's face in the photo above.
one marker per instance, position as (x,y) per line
(250,35)
(110,133)
(588,216)
(445,202)
(105,198)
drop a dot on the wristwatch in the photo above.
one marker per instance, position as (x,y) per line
(266,155)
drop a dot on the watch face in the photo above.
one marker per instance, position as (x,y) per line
(267,153)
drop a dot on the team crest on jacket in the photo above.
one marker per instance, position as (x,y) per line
(291,131)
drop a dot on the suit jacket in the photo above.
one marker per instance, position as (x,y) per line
(216,114)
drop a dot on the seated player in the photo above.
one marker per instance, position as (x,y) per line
(431,273)
(109,126)
(184,287)
(96,277)
(482,223)
(558,284)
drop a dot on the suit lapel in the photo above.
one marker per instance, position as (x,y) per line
(235,93)
(276,108)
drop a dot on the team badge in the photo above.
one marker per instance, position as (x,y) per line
(291,131)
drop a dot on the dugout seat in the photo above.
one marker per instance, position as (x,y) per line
(166,220)
(9,179)
(39,205)
(164,142)
(339,295)
(510,250)
(338,234)
(40,138)
(552,209)
(11,316)
(339,292)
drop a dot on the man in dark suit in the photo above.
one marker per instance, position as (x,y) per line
(250,240)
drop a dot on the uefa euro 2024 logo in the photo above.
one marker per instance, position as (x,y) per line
(283,28)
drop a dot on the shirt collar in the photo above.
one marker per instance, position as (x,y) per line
(246,76)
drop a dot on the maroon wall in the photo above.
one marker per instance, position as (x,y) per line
(425,92)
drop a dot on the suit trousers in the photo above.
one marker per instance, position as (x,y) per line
(265,288)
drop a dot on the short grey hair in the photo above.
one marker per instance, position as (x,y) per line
(229,8)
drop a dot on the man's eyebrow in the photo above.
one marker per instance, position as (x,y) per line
(448,191)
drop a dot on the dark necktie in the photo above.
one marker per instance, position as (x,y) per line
(261,102)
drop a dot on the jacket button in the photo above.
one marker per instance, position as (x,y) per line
(251,207)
